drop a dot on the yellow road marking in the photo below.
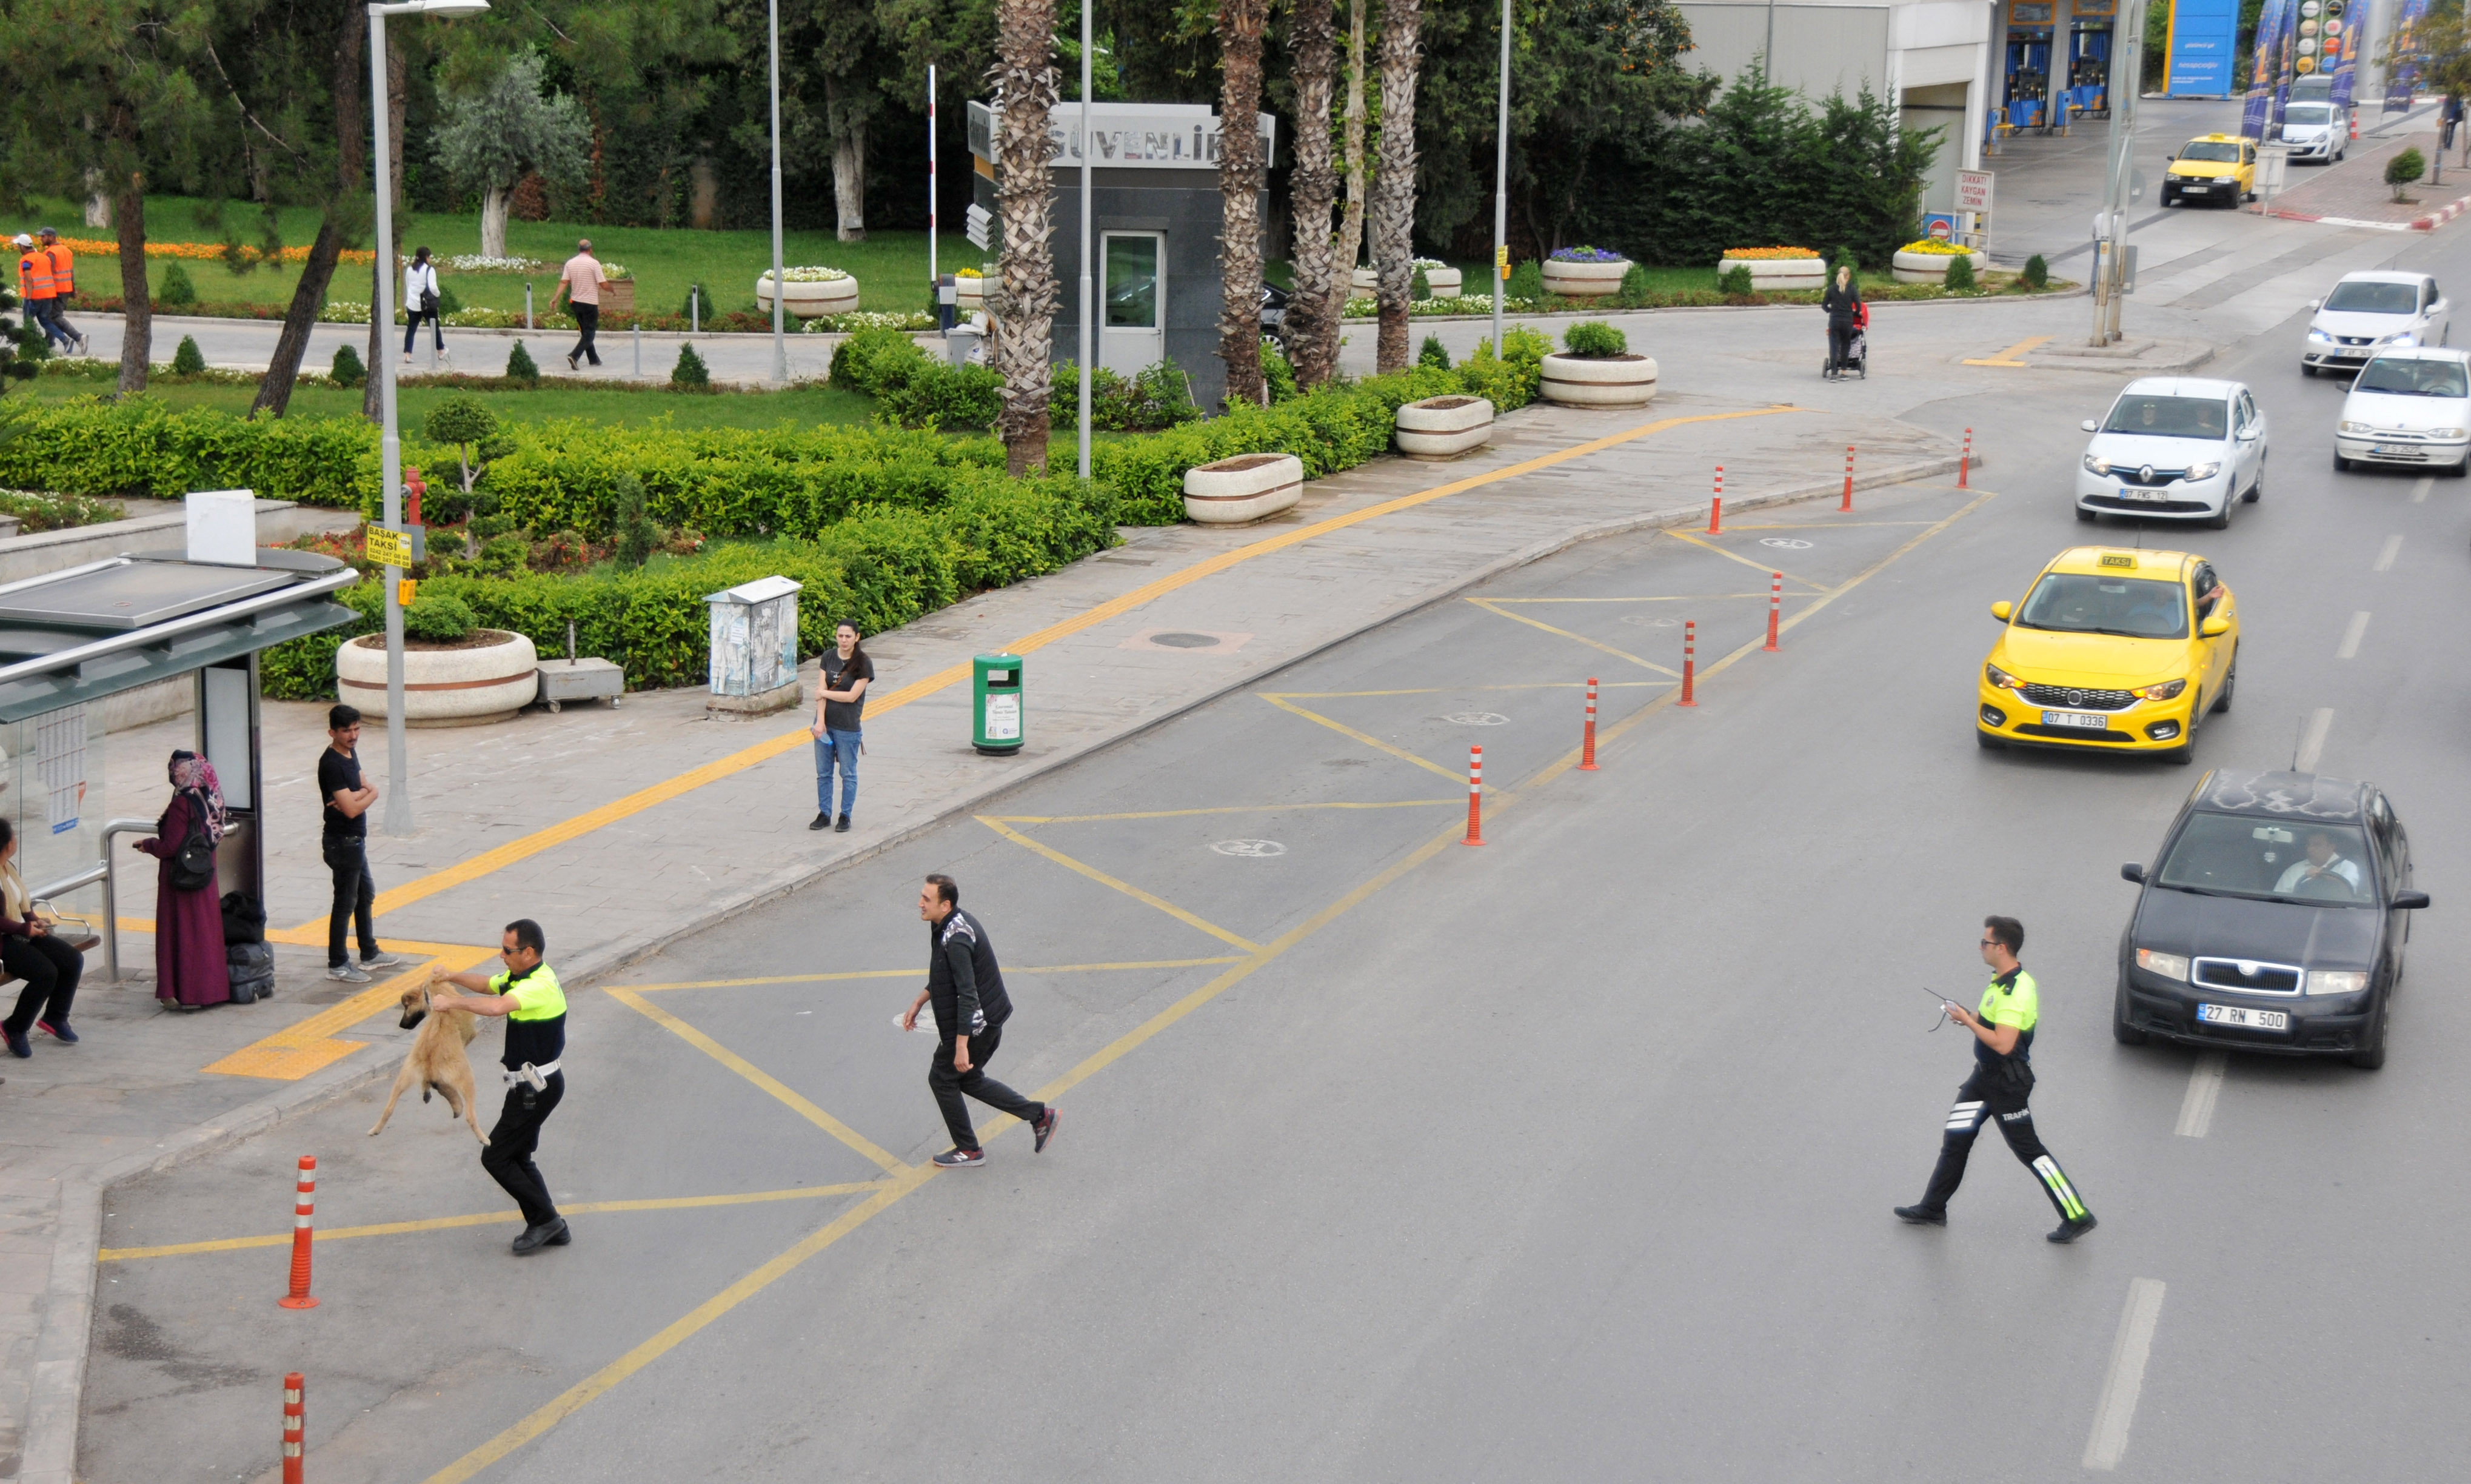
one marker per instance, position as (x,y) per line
(1147,899)
(1220,809)
(305,1046)
(1755,566)
(736,1063)
(912,974)
(527,846)
(1366,738)
(1453,690)
(1619,654)
(1660,597)
(2014,354)
(482,1219)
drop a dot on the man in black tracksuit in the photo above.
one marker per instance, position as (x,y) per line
(971,1007)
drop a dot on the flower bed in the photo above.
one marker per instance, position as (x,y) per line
(476,262)
(1768,254)
(812,274)
(1585,272)
(95,246)
(1933,245)
(1586,255)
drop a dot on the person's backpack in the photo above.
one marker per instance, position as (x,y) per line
(243,920)
(193,869)
(250,967)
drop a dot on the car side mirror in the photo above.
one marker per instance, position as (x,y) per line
(2214,627)
(2089,426)
(2315,303)
(2133,872)
(2410,900)
(2001,610)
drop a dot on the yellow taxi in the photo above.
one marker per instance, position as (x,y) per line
(2212,167)
(2111,650)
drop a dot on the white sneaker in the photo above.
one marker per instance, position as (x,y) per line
(380,962)
(348,974)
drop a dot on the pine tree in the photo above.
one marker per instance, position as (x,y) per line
(690,374)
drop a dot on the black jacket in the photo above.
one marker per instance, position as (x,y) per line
(1841,304)
(963,981)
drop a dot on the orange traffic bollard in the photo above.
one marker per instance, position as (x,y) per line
(1776,608)
(1588,747)
(1716,511)
(1689,660)
(1965,460)
(301,1211)
(1475,797)
(293,1421)
(1847,509)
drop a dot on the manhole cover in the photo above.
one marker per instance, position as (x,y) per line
(1650,620)
(1186,641)
(1476,719)
(1254,848)
(1788,543)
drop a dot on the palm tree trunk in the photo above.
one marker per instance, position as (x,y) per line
(1024,309)
(1313,309)
(1241,23)
(1393,205)
(1351,224)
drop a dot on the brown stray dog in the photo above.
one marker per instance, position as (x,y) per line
(437,1059)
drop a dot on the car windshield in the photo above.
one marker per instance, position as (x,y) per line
(2413,378)
(2293,861)
(2307,113)
(2076,603)
(2219,154)
(2374,298)
(2170,417)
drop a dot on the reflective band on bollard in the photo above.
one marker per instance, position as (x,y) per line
(1847,509)
(294,1421)
(1716,509)
(1776,608)
(303,1210)
(1965,460)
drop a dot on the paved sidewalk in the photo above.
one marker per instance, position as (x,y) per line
(2354,193)
(623,829)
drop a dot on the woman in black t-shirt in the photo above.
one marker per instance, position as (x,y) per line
(841,679)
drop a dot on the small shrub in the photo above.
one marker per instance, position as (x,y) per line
(347,370)
(1846,257)
(1419,287)
(690,374)
(638,537)
(441,619)
(1594,338)
(1527,281)
(466,424)
(448,302)
(1734,280)
(520,365)
(188,360)
(1433,353)
(2403,169)
(698,301)
(1278,374)
(1960,274)
(2036,274)
(1636,290)
(179,289)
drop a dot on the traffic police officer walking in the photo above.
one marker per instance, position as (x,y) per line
(2003,1078)
(528,995)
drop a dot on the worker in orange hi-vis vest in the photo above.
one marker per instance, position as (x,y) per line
(63,265)
(33,276)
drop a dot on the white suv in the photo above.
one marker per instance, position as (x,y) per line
(2369,312)
(2175,447)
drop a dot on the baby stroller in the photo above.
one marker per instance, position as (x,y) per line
(1857,350)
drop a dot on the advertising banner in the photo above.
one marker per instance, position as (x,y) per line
(2203,43)
(2340,53)
(2265,69)
(2404,76)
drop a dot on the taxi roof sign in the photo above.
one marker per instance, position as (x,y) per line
(2125,559)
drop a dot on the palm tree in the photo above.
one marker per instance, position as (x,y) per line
(1351,224)
(1393,206)
(1241,23)
(1023,308)
(1313,310)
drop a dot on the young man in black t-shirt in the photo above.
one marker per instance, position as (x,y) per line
(345,847)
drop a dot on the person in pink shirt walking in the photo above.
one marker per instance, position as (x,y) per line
(580,286)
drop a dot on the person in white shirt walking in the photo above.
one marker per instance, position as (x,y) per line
(579,285)
(420,297)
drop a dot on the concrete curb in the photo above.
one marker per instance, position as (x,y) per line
(53,1411)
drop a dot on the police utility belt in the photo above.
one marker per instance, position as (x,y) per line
(534,1077)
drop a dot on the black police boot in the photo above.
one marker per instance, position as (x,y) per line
(552,1234)
(1921,1216)
(2070,1231)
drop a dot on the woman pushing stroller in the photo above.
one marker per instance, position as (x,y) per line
(1846,316)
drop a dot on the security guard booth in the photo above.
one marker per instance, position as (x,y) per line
(995,704)
(1155,216)
(69,639)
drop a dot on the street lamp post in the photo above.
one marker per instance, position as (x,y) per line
(1501,192)
(398,809)
(780,289)
(1085,308)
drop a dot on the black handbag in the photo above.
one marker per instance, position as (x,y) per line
(193,868)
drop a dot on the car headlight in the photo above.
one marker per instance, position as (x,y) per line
(2170,966)
(2321,336)
(2167,689)
(2094,465)
(2336,982)
(2361,429)
(2401,338)
(2001,679)
(2203,471)
(2447,432)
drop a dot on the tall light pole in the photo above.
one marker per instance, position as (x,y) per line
(780,289)
(2126,73)
(398,809)
(1087,309)
(1501,192)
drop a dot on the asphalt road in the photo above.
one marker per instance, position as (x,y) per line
(1382,1157)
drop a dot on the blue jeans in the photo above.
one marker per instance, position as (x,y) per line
(836,744)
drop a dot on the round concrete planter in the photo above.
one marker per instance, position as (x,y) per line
(1443,426)
(1584,280)
(1768,274)
(809,301)
(485,683)
(1246,488)
(1445,282)
(969,294)
(1932,267)
(1599,381)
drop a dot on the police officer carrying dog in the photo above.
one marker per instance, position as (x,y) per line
(529,996)
(2003,1078)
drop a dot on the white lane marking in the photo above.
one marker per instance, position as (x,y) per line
(2129,1353)
(2386,557)
(2420,491)
(2205,1089)
(2312,740)
(2351,637)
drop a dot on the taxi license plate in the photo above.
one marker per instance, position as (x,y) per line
(2247,1019)
(2090,721)
(2148,496)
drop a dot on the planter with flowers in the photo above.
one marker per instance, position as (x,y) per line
(1777,267)
(455,672)
(810,292)
(617,295)
(1443,426)
(1596,369)
(1926,261)
(1585,272)
(969,289)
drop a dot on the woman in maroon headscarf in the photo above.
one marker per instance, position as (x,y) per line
(190,971)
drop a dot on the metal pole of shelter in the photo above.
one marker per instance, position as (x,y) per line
(1087,316)
(398,797)
(933,279)
(1501,193)
(780,289)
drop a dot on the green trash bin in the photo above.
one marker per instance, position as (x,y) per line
(995,708)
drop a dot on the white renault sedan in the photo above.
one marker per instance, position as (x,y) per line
(2409,405)
(2176,447)
(2369,312)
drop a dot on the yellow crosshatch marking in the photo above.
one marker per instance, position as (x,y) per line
(1280,701)
(1620,654)
(1147,899)
(912,974)
(2013,355)
(1755,566)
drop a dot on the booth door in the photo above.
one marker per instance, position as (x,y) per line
(1134,334)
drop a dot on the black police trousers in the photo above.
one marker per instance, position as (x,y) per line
(949,1086)
(1981,1097)
(509,1159)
